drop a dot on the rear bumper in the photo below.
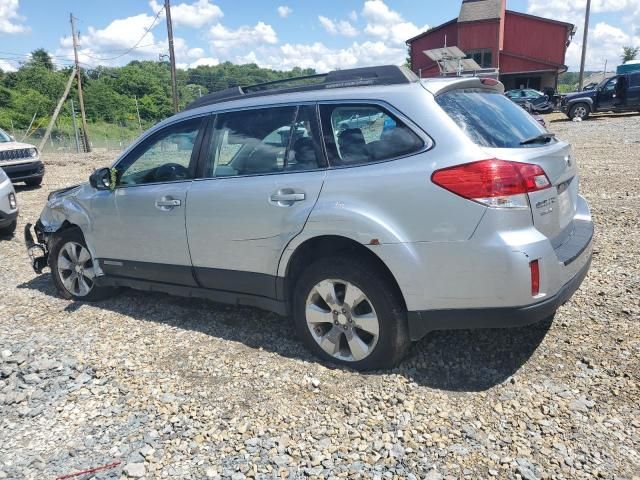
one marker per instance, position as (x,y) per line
(24,171)
(423,322)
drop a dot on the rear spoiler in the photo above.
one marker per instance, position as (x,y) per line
(439,86)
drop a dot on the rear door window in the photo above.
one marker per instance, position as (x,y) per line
(490,119)
(263,141)
(355,134)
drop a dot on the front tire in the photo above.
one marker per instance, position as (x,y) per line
(72,268)
(347,312)
(579,110)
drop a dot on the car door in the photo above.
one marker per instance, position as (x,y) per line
(262,176)
(606,96)
(633,91)
(138,230)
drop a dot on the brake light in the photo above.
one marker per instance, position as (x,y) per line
(535,277)
(495,183)
(489,81)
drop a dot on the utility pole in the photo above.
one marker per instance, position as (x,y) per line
(172,56)
(584,45)
(56,112)
(135,97)
(85,133)
(75,126)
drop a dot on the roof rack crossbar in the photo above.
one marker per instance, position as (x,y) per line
(383,75)
(266,85)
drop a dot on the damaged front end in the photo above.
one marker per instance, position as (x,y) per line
(38,251)
(64,207)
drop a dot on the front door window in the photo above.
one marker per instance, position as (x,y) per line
(165,157)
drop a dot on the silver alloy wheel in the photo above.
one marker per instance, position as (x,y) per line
(580,112)
(342,320)
(75,269)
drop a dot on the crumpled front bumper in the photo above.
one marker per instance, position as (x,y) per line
(38,251)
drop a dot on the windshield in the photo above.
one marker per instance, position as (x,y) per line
(604,82)
(492,120)
(4,136)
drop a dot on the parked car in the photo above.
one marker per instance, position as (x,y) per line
(530,109)
(20,161)
(461,211)
(358,120)
(528,95)
(604,98)
(8,206)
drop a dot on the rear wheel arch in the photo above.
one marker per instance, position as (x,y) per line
(325,246)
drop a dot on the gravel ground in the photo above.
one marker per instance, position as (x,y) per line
(156,386)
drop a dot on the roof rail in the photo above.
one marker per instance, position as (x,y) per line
(355,77)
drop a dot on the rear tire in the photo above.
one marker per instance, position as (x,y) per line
(72,268)
(33,182)
(348,312)
(580,110)
(9,229)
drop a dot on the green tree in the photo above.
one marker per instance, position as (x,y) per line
(629,53)
(41,58)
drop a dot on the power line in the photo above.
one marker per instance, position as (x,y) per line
(147,30)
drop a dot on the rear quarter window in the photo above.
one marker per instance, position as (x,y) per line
(490,119)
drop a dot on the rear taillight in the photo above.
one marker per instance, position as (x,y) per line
(495,183)
(535,277)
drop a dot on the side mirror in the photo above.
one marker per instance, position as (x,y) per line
(101,179)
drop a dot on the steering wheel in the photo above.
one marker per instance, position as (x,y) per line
(171,171)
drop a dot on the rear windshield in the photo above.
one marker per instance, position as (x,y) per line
(490,119)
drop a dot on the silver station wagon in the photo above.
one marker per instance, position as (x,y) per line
(370,206)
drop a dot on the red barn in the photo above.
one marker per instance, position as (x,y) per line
(527,51)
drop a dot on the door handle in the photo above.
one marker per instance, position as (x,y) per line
(168,204)
(288,197)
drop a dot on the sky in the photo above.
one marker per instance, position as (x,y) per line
(279,34)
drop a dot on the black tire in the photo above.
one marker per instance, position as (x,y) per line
(393,338)
(59,241)
(580,110)
(34,182)
(8,231)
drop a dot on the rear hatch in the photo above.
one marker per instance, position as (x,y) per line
(554,208)
(505,131)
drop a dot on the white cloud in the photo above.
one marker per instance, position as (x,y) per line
(112,44)
(204,61)
(341,27)
(388,25)
(284,11)
(194,15)
(568,10)
(6,66)
(223,39)
(605,41)
(322,58)
(353,16)
(605,44)
(10,19)
(115,39)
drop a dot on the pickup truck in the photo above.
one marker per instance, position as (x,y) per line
(603,98)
